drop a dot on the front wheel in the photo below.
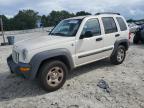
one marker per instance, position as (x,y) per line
(119,56)
(53,75)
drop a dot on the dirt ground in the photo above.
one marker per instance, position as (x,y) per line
(126,82)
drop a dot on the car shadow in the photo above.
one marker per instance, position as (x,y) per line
(139,45)
(89,67)
(12,86)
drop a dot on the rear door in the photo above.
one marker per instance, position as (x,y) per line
(111,33)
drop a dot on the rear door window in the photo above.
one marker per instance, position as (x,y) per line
(109,25)
(122,24)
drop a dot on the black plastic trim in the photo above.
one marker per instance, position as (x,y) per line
(42,56)
(118,42)
(93,53)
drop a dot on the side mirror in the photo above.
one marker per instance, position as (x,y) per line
(86,35)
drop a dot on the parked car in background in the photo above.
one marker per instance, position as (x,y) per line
(139,35)
(133,27)
(139,23)
(72,43)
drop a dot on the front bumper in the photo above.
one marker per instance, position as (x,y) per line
(15,68)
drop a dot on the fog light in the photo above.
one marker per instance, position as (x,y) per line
(24,69)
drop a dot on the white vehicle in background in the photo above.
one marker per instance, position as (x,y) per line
(133,27)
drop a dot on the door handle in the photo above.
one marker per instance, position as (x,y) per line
(117,35)
(99,39)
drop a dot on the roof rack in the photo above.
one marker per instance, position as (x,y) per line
(107,13)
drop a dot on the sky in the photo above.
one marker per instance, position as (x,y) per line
(128,8)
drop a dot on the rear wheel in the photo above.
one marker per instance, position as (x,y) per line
(142,36)
(53,75)
(119,55)
(142,40)
(136,38)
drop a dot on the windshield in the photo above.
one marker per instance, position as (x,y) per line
(66,28)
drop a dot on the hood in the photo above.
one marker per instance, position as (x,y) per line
(42,41)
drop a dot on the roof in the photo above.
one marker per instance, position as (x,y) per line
(97,14)
(79,17)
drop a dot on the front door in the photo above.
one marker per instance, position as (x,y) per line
(89,48)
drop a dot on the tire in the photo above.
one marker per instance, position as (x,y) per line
(119,56)
(142,36)
(142,40)
(53,75)
(136,38)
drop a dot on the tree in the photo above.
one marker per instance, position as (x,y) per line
(25,19)
(130,20)
(56,16)
(82,13)
(44,21)
(5,22)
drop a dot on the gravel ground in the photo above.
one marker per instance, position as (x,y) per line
(126,82)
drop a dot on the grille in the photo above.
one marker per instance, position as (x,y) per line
(15,56)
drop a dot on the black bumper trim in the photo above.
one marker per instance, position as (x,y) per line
(14,68)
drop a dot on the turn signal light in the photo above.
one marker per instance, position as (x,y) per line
(24,69)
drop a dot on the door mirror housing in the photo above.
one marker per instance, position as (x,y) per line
(87,34)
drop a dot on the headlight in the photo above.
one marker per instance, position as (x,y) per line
(24,54)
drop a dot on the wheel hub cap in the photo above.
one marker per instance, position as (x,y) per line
(120,55)
(55,76)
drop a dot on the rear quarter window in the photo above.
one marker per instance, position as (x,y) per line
(122,24)
(109,25)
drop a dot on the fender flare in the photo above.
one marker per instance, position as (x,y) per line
(118,42)
(40,57)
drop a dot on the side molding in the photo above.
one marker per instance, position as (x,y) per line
(93,53)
